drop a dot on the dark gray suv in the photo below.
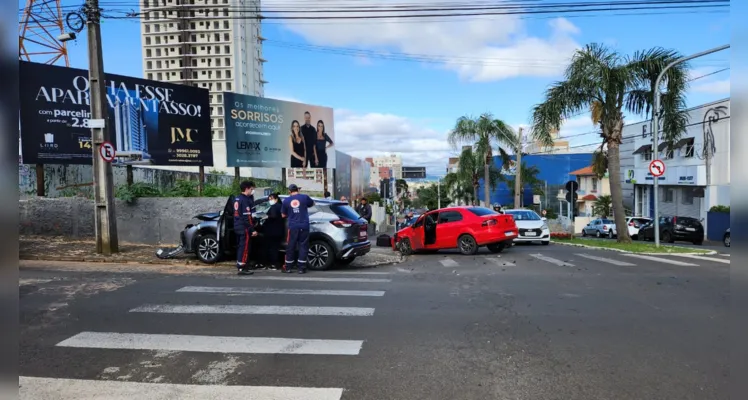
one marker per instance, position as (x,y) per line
(337,234)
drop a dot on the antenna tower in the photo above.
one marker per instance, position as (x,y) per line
(40,25)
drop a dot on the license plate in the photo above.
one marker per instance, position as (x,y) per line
(362,234)
(691,229)
(530,234)
(508,233)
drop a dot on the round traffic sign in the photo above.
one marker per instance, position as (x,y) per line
(107,151)
(657,168)
(544,212)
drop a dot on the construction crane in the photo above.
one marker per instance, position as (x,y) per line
(41,33)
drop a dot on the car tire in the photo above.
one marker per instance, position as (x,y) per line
(404,247)
(546,243)
(598,235)
(496,247)
(726,240)
(207,249)
(321,256)
(667,237)
(610,234)
(467,245)
(584,232)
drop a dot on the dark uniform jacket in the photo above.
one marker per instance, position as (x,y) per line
(243,207)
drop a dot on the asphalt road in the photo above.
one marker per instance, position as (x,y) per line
(535,322)
(708,245)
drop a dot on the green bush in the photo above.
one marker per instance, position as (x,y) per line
(720,209)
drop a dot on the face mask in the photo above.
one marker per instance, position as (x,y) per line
(273,202)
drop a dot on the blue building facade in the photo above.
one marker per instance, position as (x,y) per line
(554,170)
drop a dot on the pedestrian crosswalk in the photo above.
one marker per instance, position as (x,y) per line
(189,305)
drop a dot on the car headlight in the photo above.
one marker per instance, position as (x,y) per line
(544,227)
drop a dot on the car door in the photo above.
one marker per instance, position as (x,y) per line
(590,228)
(418,233)
(430,235)
(448,229)
(225,236)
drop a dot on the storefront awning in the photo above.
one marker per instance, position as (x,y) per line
(662,146)
(683,142)
(646,147)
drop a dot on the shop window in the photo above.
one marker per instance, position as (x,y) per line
(687,196)
(668,195)
(690,149)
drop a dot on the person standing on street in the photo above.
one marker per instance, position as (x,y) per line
(309,132)
(273,231)
(364,210)
(244,226)
(296,209)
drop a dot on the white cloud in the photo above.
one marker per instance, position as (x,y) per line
(478,49)
(714,87)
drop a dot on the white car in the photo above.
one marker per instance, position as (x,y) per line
(633,223)
(532,228)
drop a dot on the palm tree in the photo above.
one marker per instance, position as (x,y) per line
(605,83)
(471,166)
(530,178)
(459,189)
(484,133)
(602,207)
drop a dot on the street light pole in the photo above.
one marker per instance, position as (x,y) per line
(439,193)
(104,214)
(655,129)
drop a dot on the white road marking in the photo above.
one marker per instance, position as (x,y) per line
(500,263)
(662,260)
(448,262)
(724,255)
(309,292)
(552,260)
(212,344)
(357,273)
(254,310)
(315,279)
(695,257)
(70,389)
(606,260)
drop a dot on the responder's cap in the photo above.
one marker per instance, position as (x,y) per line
(293,188)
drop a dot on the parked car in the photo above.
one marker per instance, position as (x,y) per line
(598,227)
(685,229)
(726,238)
(464,228)
(337,234)
(633,223)
(531,226)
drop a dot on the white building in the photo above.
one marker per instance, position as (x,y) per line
(689,186)
(560,146)
(393,161)
(213,44)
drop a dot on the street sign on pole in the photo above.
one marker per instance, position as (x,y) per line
(657,168)
(572,186)
(107,152)
(544,212)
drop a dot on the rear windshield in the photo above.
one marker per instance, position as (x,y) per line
(482,211)
(345,211)
(607,221)
(688,221)
(524,215)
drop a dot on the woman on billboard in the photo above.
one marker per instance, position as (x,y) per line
(320,148)
(297,145)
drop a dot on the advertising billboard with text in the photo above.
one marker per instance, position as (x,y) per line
(152,122)
(269,133)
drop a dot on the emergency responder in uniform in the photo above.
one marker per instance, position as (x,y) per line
(244,204)
(296,209)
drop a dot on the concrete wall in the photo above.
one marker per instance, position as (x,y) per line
(62,179)
(148,220)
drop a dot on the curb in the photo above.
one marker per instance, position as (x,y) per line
(709,253)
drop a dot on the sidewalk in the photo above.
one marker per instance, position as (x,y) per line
(56,248)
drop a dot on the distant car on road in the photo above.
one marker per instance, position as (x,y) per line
(337,234)
(532,227)
(598,227)
(464,228)
(685,229)
(633,223)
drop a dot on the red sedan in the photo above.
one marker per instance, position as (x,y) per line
(463,228)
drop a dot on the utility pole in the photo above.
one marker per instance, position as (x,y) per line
(439,193)
(656,134)
(104,215)
(518,173)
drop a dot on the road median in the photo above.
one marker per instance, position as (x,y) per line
(633,247)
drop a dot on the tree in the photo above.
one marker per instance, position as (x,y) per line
(484,133)
(471,166)
(606,84)
(603,207)
(374,197)
(458,188)
(530,178)
(401,186)
(429,196)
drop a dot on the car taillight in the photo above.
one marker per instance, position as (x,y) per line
(490,222)
(343,223)
(632,223)
(605,227)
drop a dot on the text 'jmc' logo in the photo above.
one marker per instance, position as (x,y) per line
(179,135)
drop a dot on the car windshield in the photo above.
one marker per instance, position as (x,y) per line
(524,215)
(344,211)
(482,211)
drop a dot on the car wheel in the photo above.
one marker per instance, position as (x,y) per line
(598,235)
(321,256)
(496,247)
(584,232)
(467,245)
(726,240)
(404,247)
(207,249)
(667,237)
(610,234)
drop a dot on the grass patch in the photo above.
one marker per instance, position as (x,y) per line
(634,247)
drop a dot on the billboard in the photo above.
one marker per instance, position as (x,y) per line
(154,122)
(270,133)
(414,172)
(343,164)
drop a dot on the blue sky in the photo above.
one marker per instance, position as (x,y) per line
(385,106)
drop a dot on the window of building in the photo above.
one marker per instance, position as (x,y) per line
(158,39)
(150,76)
(226,37)
(228,62)
(158,52)
(147,28)
(194,74)
(227,49)
(216,25)
(219,85)
(225,24)
(687,197)
(594,184)
(690,149)
(220,98)
(218,62)
(668,195)
(228,74)
(218,74)
(225,12)
(148,52)
(668,154)
(160,76)
(228,86)
(217,37)
(147,40)
(149,65)
(647,155)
